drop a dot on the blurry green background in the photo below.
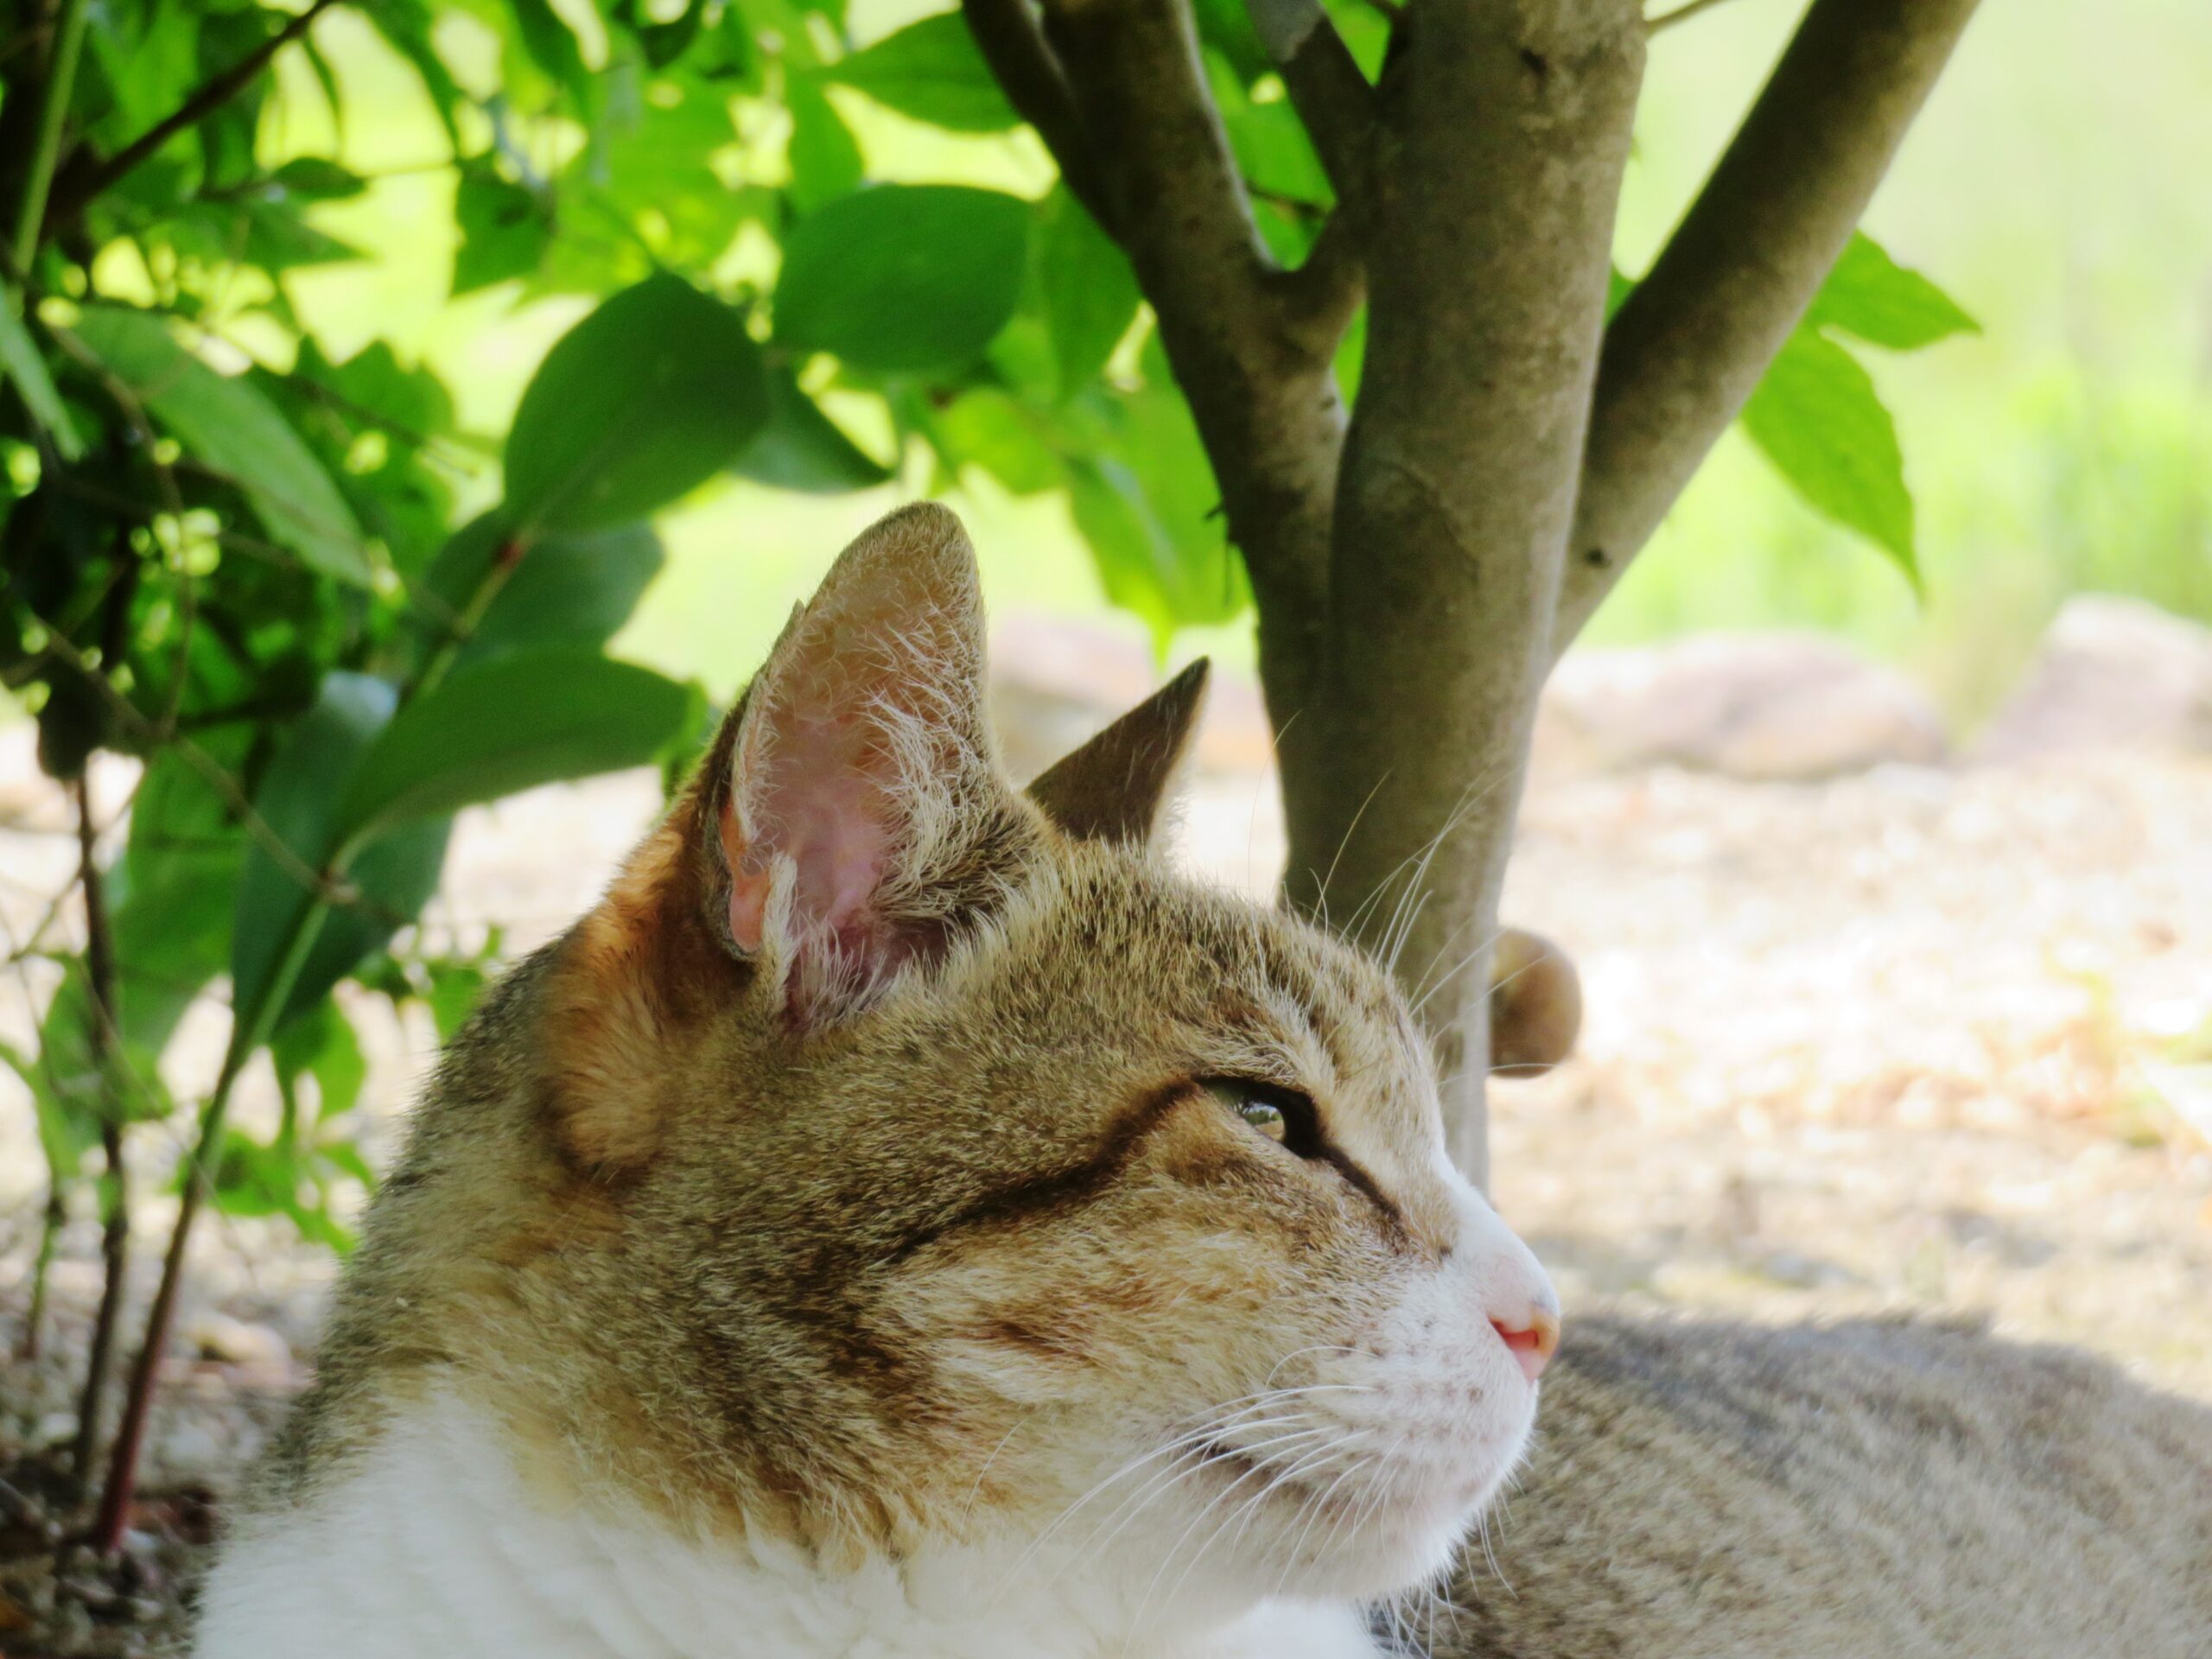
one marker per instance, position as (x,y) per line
(2055,186)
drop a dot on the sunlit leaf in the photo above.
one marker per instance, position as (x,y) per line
(504,229)
(553,47)
(654,392)
(1870,296)
(823,157)
(522,719)
(903,279)
(574,589)
(229,426)
(23,367)
(931,71)
(1089,291)
(297,801)
(1817,417)
(802,448)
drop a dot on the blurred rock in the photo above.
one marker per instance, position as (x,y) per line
(235,1342)
(2111,674)
(1055,683)
(1778,706)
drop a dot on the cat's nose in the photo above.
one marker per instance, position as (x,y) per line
(1531,1334)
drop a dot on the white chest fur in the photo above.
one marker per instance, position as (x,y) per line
(433,1546)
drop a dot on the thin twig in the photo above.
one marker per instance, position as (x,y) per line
(211,96)
(103,1037)
(1681,14)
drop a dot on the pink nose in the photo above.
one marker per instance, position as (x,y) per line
(1533,1340)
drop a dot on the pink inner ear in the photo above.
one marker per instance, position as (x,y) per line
(822,805)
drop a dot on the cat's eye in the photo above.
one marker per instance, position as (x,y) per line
(1284,1115)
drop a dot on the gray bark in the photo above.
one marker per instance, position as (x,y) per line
(1403,773)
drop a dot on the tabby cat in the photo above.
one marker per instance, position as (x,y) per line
(905,1219)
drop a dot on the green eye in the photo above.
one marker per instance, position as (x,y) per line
(1260,1105)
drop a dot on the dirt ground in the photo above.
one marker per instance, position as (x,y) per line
(1918,1038)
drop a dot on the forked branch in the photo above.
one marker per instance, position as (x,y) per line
(1688,346)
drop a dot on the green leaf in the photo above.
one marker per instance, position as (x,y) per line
(987,427)
(573,590)
(284,1179)
(405,26)
(552,46)
(1226,27)
(278,238)
(395,876)
(651,394)
(1816,416)
(651,163)
(1089,292)
(296,800)
(931,71)
(21,363)
(1618,287)
(663,43)
(802,448)
(1150,510)
(1870,296)
(823,157)
(322,1044)
(312,178)
(504,229)
(1273,151)
(66,1133)
(456,989)
(519,721)
(229,426)
(903,279)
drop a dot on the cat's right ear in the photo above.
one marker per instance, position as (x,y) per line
(1114,786)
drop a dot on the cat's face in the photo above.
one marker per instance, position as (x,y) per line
(991,1182)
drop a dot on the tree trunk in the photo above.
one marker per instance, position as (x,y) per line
(1418,574)
(1402,774)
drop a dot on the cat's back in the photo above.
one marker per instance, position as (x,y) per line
(1720,1491)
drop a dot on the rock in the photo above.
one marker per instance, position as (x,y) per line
(1778,706)
(234,1341)
(1055,683)
(2111,673)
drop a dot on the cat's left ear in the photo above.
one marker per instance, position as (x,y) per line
(1114,786)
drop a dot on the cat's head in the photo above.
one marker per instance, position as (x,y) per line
(964,1173)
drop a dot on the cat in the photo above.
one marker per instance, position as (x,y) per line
(1705,1490)
(904,1219)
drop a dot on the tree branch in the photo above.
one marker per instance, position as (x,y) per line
(211,96)
(1689,345)
(1250,344)
(1013,45)
(1326,85)
(1175,198)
